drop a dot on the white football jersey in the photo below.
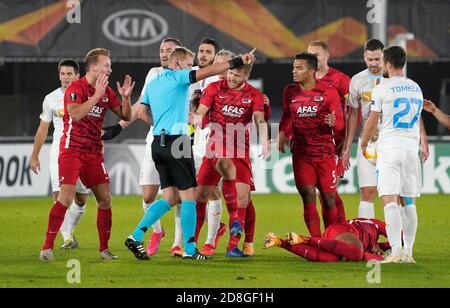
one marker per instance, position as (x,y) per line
(400,101)
(53,111)
(360,96)
(201,85)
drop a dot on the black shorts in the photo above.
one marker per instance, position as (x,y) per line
(175,162)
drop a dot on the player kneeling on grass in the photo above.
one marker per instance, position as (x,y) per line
(353,240)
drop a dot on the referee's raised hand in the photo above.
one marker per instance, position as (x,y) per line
(249,58)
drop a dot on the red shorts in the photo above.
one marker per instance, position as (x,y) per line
(321,174)
(89,167)
(209,176)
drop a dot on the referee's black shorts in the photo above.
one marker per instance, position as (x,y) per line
(174,162)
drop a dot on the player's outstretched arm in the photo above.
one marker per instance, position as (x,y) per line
(442,118)
(39,139)
(111,132)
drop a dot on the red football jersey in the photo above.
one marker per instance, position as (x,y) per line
(341,82)
(85,135)
(338,80)
(232,107)
(369,230)
(304,114)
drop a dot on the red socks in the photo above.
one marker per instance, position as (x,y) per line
(312,219)
(330,216)
(340,208)
(104,223)
(55,220)
(250,220)
(201,213)
(230,195)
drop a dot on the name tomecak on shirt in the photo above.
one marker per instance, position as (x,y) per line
(225,297)
(405,88)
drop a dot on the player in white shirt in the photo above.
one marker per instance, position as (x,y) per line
(53,112)
(361,87)
(398,101)
(149,176)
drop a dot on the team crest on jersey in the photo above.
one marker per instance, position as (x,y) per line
(73,96)
(318,98)
(104,99)
(246,101)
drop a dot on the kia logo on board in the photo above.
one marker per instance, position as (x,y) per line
(135,27)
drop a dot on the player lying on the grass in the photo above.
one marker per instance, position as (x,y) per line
(443,118)
(353,240)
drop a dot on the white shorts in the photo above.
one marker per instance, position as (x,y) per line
(54,177)
(367,172)
(399,173)
(149,175)
(199,148)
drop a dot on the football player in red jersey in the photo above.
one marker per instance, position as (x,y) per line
(231,103)
(312,116)
(341,82)
(81,150)
(352,240)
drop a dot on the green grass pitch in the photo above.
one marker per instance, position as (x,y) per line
(23,223)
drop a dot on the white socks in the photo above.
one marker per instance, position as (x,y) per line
(394,227)
(178,241)
(157,225)
(214,217)
(71,220)
(409,221)
(366,210)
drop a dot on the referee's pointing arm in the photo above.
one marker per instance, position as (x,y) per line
(216,69)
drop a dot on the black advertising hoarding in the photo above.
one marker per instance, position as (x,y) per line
(132,29)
